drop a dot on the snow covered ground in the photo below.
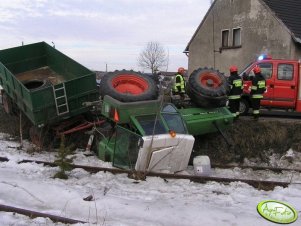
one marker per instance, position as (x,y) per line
(121,201)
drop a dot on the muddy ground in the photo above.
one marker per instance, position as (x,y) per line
(245,139)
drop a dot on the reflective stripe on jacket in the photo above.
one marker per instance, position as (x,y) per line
(236,86)
(257,96)
(237,83)
(234,97)
(258,86)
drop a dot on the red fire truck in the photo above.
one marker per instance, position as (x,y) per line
(283,78)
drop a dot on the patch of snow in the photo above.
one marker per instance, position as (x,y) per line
(118,200)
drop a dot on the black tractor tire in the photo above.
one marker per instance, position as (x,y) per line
(128,86)
(244,106)
(208,88)
(201,100)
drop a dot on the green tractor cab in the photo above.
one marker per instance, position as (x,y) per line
(149,136)
(156,136)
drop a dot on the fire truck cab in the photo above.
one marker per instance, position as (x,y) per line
(282,81)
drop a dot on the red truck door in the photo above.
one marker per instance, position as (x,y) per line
(281,82)
(284,84)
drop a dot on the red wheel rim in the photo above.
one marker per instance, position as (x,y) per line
(130,84)
(210,80)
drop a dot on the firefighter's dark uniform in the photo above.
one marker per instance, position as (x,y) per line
(179,86)
(257,90)
(236,86)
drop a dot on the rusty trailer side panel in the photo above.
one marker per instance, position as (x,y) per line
(46,85)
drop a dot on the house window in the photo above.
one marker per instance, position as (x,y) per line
(285,71)
(236,37)
(225,38)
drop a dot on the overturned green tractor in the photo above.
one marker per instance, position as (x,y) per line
(152,135)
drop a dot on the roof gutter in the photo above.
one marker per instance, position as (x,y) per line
(297,39)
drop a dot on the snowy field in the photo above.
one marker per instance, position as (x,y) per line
(120,201)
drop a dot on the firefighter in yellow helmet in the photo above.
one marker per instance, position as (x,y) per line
(179,85)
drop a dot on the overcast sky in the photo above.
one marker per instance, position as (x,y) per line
(100,32)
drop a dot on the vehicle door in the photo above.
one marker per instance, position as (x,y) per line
(285,84)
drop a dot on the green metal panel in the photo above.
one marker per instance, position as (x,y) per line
(39,104)
(106,149)
(126,110)
(201,121)
(24,58)
(126,149)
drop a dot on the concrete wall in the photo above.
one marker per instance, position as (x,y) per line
(261,33)
(297,51)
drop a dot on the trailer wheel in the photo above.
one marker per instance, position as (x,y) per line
(7,103)
(128,86)
(244,106)
(207,88)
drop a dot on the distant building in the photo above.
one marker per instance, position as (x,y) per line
(238,31)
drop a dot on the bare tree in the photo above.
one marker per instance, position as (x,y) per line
(153,57)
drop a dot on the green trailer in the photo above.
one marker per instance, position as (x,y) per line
(46,85)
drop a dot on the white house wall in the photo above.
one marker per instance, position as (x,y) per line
(261,33)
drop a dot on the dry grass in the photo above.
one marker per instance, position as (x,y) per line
(250,139)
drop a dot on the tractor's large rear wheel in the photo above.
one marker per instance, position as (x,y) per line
(128,86)
(207,88)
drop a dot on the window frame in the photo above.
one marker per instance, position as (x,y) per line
(249,70)
(292,72)
(222,38)
(233,39)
